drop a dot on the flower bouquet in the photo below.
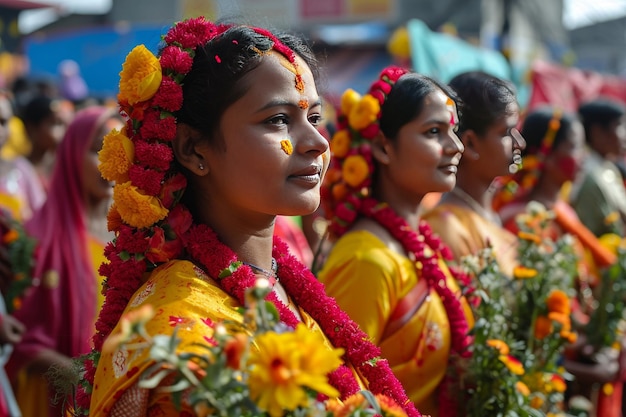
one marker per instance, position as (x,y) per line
(21,256)
(258,367)
(522,327)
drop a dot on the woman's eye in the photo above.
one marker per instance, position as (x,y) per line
(315,120)
(278,120)
(433,131)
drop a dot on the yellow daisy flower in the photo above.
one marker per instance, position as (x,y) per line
(140,77)
(283,365)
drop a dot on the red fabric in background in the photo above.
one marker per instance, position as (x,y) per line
(569,87)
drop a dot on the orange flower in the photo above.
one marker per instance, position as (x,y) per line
(529,236)
(389,407)
(563,319)
(364,112)
(116,156)
(355,170)
(512,363)
(536,402)
(347,407)
(543,327)
(522,388)
(339,191)
(114,220)
(348,99)
(501,346)
(558,302)
(11,236)
(140,77)
(137,209)
(235,349)
(521,272)
(340,143)
(607,389)
(556,383)
(571,337)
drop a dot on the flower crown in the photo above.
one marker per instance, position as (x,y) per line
(350,175)
(146,216)
(520,183)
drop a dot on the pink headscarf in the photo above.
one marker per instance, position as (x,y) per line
(60,316)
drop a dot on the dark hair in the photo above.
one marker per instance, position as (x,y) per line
(483,99)
(405,101)
(211,86)
(599,112)
(536,126)
(37,110)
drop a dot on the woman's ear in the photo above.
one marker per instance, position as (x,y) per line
(189,150)
(381,148)
(472,145)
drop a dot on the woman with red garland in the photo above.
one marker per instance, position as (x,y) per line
(394,145)
(227,115)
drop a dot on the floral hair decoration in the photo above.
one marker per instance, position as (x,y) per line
(152,227)
(349,178)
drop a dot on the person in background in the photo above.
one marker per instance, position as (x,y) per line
(59,311)
(464,217)
(394,145)
(45,121)
(599,195)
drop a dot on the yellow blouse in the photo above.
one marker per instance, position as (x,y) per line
(182,296)
(368,280)
(465,232)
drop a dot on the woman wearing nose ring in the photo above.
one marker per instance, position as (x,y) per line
(464,217)
(394,145)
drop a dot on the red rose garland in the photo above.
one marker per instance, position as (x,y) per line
(137,250)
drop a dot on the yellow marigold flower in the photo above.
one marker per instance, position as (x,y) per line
(283,365)
(607,389)
(286,146)
(498,344)
(512,363)
(529,236)
(116,156)
(558,302)
(611,241)
(140,77)
(364,112)
(522,388)
(521,272)
(10,236)
(340,143)
(355,170)
(611,218)
(137,209)
(348,99)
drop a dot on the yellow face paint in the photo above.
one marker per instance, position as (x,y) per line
(452,108)
(286,146)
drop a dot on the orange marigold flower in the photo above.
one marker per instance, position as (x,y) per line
(522,388)
(563,319)
(607,389)
(364,112)
(543,327)
(536,402)
(137,209)
(389,407)
(512,363)
(286,146)
(558,302)
(340,191)
(114,220)
(340,143)
(355,170)
(556,383)
(521,272)
(347,407)
(498,344)
(348,99)
(571,337)
(11,236)
(529,236)
(234,350)
(140,77)
(116,156)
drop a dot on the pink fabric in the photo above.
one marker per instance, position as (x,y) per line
(62,318)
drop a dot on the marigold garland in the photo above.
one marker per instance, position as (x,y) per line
(152,227)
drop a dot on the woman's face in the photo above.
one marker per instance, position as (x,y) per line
(425,155)
(568,156)
(274,157)
(50,131)
(95,187)
(497,147)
